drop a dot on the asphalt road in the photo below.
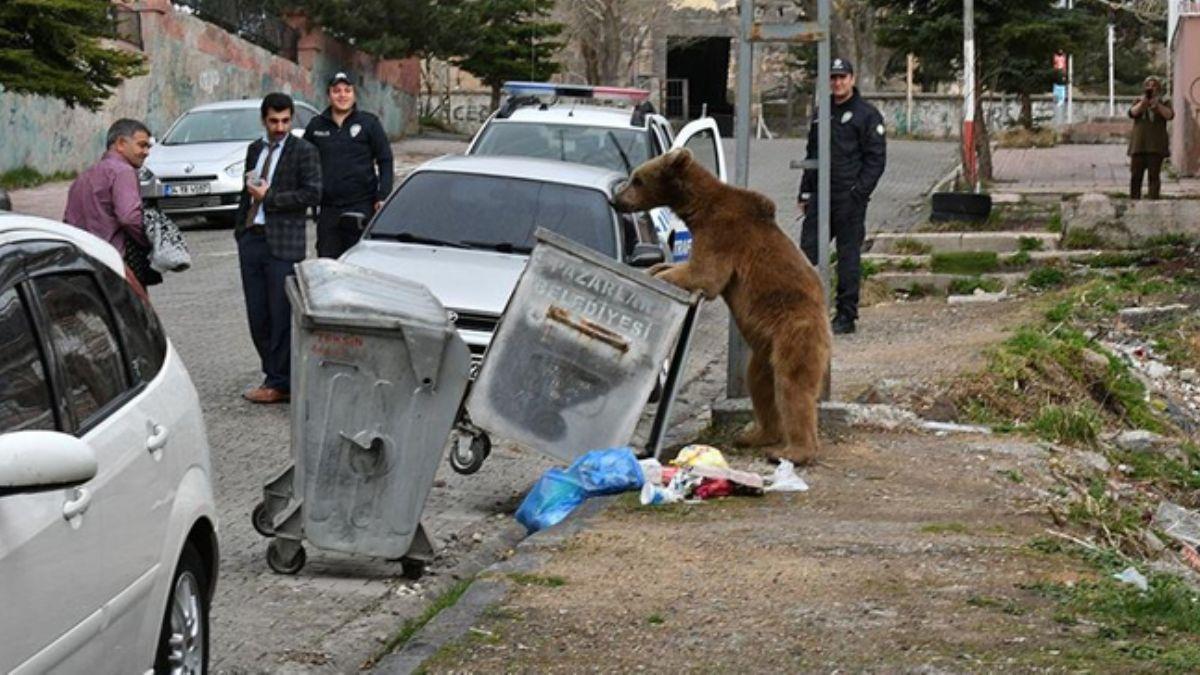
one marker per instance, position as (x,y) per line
(338,610)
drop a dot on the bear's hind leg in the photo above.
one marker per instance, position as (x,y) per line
(760,379)
(797,391)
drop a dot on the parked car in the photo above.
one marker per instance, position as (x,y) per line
(108,534)
(464,227)
(196,168)
(547,121)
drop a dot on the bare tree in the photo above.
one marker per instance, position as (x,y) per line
(609,36)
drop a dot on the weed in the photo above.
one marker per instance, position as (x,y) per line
(1060,312)
(1018,259)
(965,262)
(1170,605)
(908,265)
(537,580)
(945,528)
(1082,239)
(1014,476)
(967,286)
(1055,223)
(1170,240)
(410,627)
(1108,259)
(1078,424)
(1029,244)
(655,620)
(26,177)
(910,246)
(920,291)
(1006,605)
(1046,277)
(869,269)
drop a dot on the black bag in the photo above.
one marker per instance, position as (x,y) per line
(137,257)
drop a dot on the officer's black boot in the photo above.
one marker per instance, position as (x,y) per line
(843,325)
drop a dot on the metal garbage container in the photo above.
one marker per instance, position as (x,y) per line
(379,373)
(578,351)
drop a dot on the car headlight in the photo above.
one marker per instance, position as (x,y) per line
(235,170)
(145,175)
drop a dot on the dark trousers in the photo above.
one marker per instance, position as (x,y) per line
(1145,162)
(333,239)
(267,307)
(847,225)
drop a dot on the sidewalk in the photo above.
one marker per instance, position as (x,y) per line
(1074,169)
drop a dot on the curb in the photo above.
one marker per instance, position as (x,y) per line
(454,622)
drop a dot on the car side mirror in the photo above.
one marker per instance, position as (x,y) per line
(646,255)
(353,220)
(35,461)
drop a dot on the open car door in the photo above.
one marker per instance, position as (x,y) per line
(703,138)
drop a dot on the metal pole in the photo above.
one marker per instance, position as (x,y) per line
(968,131)
(908,109)
(1112,100)
(1070,78)
(825,117)
(739,352)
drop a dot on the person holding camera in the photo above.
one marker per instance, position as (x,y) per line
(1148,144)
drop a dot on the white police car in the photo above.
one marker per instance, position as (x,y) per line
(547,121)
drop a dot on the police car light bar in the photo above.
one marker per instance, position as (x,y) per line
(575,91)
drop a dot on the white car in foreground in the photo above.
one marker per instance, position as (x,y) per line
(108,540)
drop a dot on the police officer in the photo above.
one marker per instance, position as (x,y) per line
(858,153)
(356,161)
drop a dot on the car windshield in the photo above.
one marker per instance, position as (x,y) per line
(613,149)
(491,212)
(215,126)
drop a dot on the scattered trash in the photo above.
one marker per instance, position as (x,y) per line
(745,478)
(1134,578)
(700,455)
(653,495)
(1178,523)
(652,470)
(558,492)
(786,480)
(713,488)
(979,296)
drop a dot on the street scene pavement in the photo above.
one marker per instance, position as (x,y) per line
(1067,169)
(338,610)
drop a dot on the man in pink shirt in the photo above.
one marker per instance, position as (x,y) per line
(105,200)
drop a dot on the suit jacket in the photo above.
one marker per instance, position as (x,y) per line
(295,187)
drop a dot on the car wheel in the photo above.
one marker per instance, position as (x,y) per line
(183,641)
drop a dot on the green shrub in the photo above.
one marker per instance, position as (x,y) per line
(1076,240)
(1046,277)
(1078,423)
(965,262)
(1055,223)
(869,269)
(1018,259)
(908,265)
(1030,244)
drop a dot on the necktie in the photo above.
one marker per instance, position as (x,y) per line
(255,205)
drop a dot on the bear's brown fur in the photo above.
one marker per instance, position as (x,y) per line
(773,292)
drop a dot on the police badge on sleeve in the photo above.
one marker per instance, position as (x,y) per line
(354,129)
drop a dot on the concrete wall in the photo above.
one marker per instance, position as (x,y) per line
(192,62)
(1185,76)
(940,116)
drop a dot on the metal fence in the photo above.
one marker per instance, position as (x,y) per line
(250,21)
(126,25)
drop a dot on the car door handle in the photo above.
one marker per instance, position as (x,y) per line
(158,437)
(77,506)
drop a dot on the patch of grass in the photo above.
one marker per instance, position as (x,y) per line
(945,528)
(410,627)
(1020,137)
(968,285)
(1159,468)
(1014,476)
(1055,223)
(910,246)
(908,265)
(1075,424)
(965,262)
(537,580)
(917,291)
(869,269)
(1076,240)
(1006,605)
(1018,259)
(655,620)
(1046,277)
(1109,259)
(1169,606)
(1029,244)
(1171,240)
(27,177)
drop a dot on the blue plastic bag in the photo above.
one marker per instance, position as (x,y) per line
(558,492)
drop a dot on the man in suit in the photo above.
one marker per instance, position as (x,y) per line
(283,180)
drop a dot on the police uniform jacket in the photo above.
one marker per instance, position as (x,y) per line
(350,156)
(858,150)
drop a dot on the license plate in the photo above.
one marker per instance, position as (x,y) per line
(186,189)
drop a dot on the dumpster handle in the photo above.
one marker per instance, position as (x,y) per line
(363,439)
(588,328)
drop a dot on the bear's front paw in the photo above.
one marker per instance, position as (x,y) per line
(659,269)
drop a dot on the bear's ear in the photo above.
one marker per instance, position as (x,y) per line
(679,158)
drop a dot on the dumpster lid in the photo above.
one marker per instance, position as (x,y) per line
(348,295)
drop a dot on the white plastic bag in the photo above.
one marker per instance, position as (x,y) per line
(168,250)
(785,479)
(1134,578)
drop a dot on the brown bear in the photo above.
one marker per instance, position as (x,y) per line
(773,292)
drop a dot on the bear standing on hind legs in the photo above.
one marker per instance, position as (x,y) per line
(773,292)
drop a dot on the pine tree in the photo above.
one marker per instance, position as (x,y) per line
(513,39)
(54,48)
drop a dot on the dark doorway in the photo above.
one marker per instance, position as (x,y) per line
(704,64)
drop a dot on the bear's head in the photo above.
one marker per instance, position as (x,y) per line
(658,182)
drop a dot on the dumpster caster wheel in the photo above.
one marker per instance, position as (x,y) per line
(412,569)
(283,564)
(262,524)
(467,458)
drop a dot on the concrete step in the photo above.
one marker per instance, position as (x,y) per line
(940,283)
(937,242)
(892,261)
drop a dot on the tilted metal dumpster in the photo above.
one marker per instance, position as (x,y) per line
(578,351)
(379,373)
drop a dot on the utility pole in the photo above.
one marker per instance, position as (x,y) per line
(1070,78)
(1112,39)
(970,164)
